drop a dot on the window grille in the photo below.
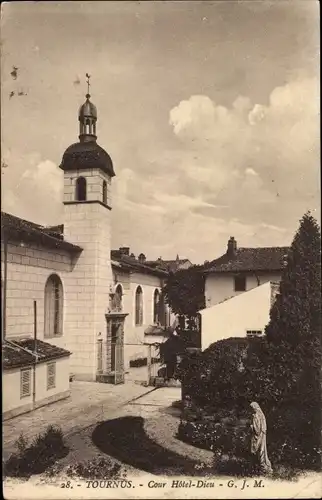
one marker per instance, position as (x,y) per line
(25,382)
(51,376)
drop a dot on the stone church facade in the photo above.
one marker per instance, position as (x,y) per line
(65,292)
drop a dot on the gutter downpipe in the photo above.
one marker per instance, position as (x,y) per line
(5,280)
(35,353)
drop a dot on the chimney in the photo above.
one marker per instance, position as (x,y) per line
(142,258)
(125,250)
(231,247)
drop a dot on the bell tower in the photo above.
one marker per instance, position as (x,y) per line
(88,172)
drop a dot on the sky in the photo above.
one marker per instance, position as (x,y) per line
(209,111)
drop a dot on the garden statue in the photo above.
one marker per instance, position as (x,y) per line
(258,439)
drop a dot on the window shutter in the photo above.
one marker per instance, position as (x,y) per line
(25,383)
(51,376)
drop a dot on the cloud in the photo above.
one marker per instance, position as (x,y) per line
(35,192)
(251,171)
(251,154)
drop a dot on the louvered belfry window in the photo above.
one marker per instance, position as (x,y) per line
(25,382)
(138,306)
(53,306)
(51,376)
(104,192)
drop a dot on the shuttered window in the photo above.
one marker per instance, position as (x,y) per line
(51,376)
(25,382)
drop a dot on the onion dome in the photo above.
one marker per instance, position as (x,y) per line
(87,110)
(86,155)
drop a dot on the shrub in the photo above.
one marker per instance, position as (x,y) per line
(43,452)
(212,377)
(216,383)
(224,433)
(98,468)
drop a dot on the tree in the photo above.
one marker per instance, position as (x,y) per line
(294,330)
(184,292)
(296,314)
(292,364)
(295,318)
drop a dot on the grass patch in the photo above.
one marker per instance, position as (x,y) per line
(36,458)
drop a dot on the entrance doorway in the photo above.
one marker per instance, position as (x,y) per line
(114,342)
(110,366)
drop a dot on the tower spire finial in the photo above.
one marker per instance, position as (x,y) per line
(88,85)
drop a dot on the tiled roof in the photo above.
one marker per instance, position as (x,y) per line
(168,265)
(131,264)
(249,259)
(20,229)
(14,355)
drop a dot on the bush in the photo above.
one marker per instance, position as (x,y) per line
(43,452)
(98,468)
(290,439)
(212,377)
(234,372)
(225,433)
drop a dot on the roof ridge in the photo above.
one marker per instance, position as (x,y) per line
(262,248)
(30,229)
(22,220)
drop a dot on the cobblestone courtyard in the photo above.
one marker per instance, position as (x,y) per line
(89,403)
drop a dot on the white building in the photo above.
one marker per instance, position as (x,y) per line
(239,289)
(64,287)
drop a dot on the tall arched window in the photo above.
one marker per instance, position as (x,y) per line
(138,306)
(104,192)
(54,301)
(81,189)
(118,299)
(156,307)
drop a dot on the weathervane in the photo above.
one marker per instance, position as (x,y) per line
(88,84)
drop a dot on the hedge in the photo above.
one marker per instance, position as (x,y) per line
(233,372)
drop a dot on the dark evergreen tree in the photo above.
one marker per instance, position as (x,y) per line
(296,314)
(291,364)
